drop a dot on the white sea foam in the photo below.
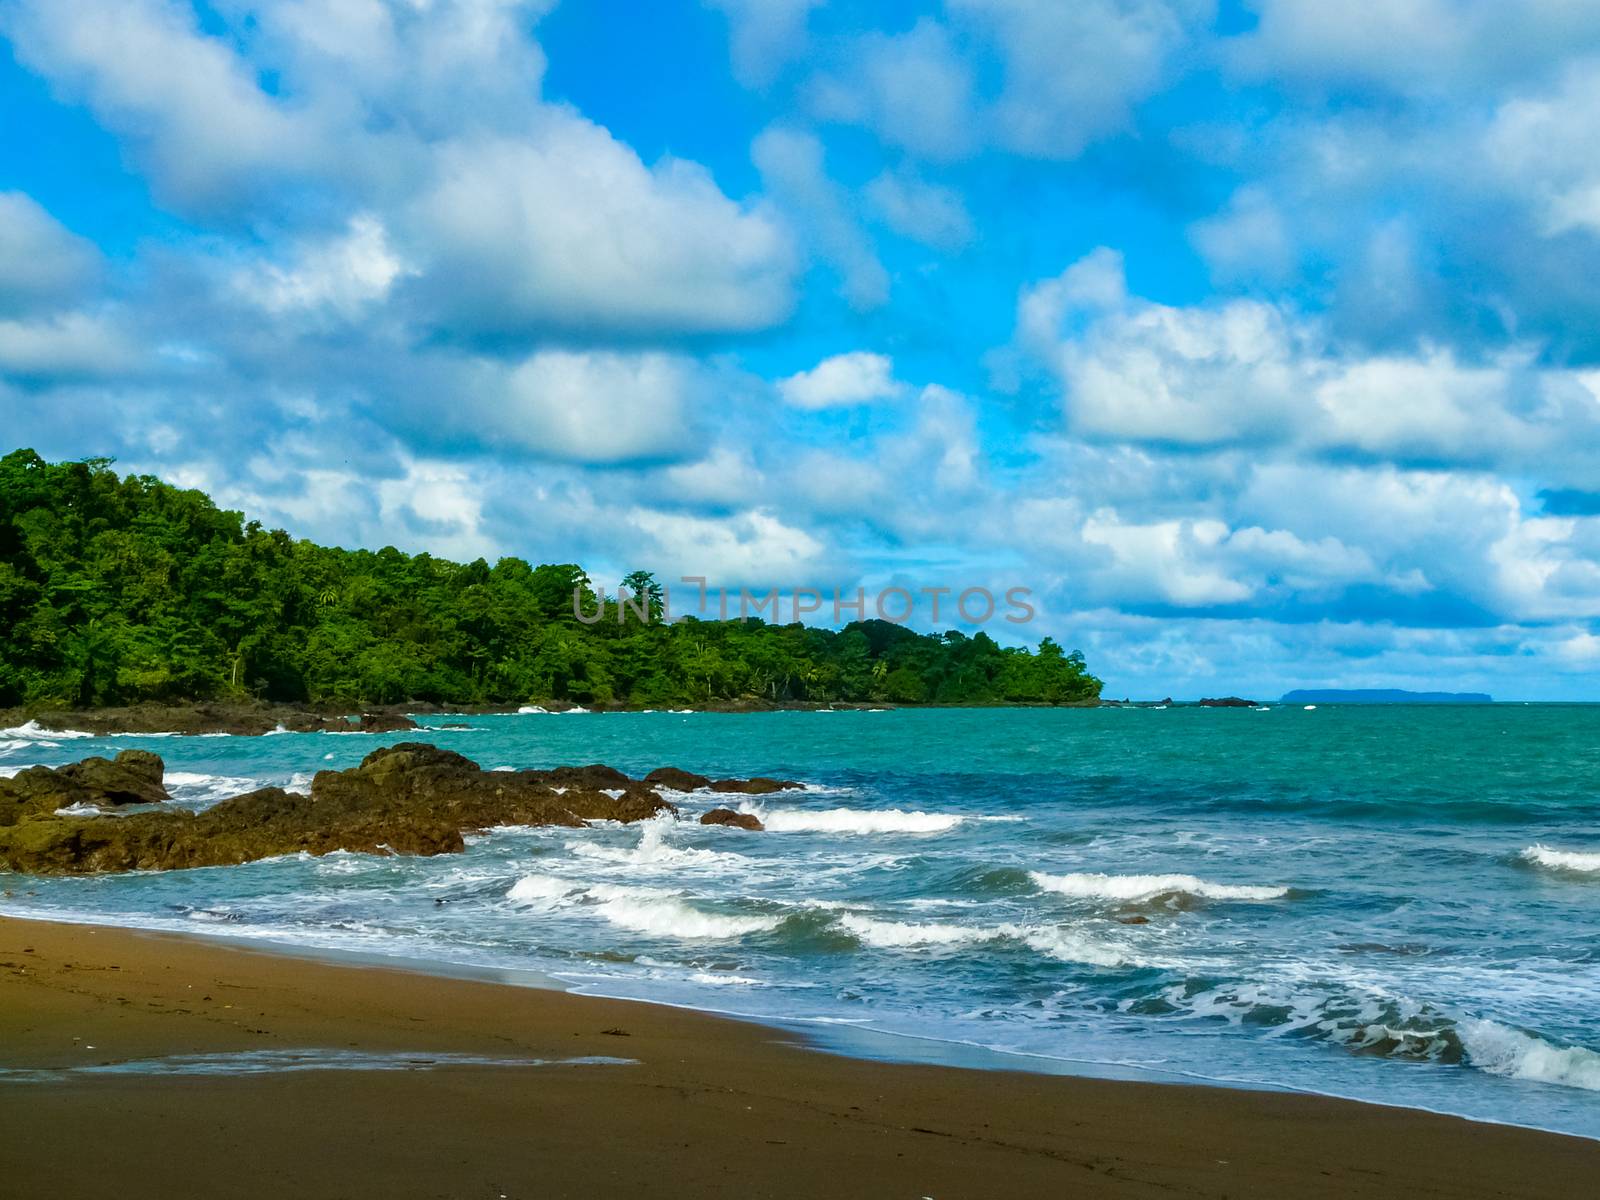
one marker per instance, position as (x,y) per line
(1093,885)
(541,891)
(528,710)
(645,910)
(1562,860)
(35,732)
(1501,1050)
(715,980)
(852,820)
(652,850)
(79,810)
(195,787)
(892,935)
(576,708)
(1066,945)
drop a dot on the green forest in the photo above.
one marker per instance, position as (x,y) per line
(120,590)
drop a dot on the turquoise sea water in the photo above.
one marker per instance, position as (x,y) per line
(1393,904)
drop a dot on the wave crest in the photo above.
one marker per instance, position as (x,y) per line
(854,821)
(1561,860)
(1095,885)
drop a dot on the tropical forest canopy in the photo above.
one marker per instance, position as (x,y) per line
(119,590)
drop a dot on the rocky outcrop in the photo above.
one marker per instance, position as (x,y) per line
(248,720)
(410,798)
(758,785)
(133,777)
(384,723)
(735,820)
(687,781)
(1227,702)
(676,779)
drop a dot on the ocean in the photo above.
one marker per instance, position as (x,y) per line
(1395,904)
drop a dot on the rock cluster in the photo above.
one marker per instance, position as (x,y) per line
(410,798)
(737,820)
(133,777)
(239,719)
(688,781)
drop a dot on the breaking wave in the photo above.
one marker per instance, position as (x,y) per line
(850,820)
(642,910)
(1093,885)
(1561,860)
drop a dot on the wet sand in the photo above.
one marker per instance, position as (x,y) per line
(711,1108)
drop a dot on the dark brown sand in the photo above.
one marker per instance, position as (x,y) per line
(714,1108)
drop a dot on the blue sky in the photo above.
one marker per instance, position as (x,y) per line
(1258,339)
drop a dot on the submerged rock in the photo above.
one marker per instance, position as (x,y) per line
(410,798)
(384,723)
(247,720)
(736,820)
(758,785)
(676,779)
(133,777)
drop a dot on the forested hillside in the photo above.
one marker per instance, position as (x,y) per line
(118,590)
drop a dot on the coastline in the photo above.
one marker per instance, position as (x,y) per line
(712,1106)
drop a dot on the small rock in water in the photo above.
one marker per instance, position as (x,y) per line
(737,820)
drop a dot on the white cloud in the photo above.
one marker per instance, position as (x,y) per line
(755,547)
(1244,372)
(1248,239)
(41,262)
(1543,148)
(68,346)
(914,89)
(566,229)
(185,99)
(1074,72)
(849,379)
(922,211)
(343,274)
(1068,75)
(765,35)
(1413,46)
(792,167)
(593,406)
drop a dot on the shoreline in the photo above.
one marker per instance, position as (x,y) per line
(857,1042)
(714,1105)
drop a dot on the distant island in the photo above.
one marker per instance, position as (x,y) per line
(1381,696)
(120,591)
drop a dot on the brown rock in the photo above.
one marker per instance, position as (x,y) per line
(676,779)
(385,723)
(737,820)
(133,777)
(411,798)
(758,785)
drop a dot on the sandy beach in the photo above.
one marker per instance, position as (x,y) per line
(708,1107)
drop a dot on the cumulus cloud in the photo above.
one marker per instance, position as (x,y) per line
(591,406)
(858,377)
(42,263)
(68,346)
(1413,46)
(1246,371)
(568,230)
(343,274)
(1068,75)
(765,35)
(183,99)
(791,165)
(1248,240)
(925,212)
